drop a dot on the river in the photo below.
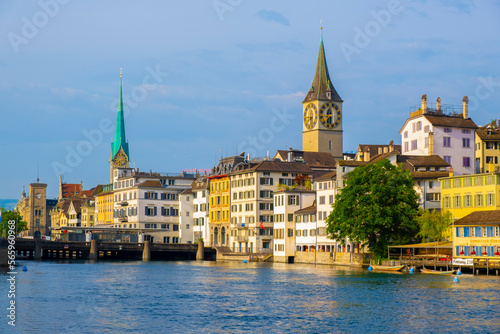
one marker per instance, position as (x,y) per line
(234,297)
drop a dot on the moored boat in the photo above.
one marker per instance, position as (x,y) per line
(437,272)
(386,268)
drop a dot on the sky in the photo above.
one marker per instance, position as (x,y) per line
(205,78)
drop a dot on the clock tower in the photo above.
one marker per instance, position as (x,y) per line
(119,147)
(322,112)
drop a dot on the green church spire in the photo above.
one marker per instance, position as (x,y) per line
(322,88)
(120,139)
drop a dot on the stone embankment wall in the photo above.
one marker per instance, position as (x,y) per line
(346,259)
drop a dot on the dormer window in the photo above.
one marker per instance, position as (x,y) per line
(329,95)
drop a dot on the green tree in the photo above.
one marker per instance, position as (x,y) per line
(377,208)
(433,224)
(8,215)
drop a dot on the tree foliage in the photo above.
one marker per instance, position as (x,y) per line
(377,208)
(433,224)
(8,215)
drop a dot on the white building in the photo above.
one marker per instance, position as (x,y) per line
(149,201)
(286,202)
(306,227)
(432,131)
(252,186)
(325,197)
(200,211)
(186,208)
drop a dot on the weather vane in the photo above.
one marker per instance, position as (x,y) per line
(121,71)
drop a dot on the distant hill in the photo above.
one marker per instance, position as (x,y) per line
(8,204)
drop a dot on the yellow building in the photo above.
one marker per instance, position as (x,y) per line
(104,205)
(477,235)
(487,148)
(464,194)
(219,204)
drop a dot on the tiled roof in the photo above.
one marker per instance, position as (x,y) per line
(309,209)
(429,175)
(150,184)
(199,184)
(482,133)
(375,148)
(480,218)
(351,163)
(423,160)
(186,192)
(312,159)
(71,189)
(450,121)
(327,176)
(277,166)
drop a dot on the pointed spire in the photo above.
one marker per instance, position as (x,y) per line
(120,139)
(322,88)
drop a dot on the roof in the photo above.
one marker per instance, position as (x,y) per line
(482,133)
(440,244)
(309,209)
(199,184)
(480,218)
(327,176)
(423,160)
(351,163)
(71,189)
(150,184)
(429,175)
(312,159)
(275,166)
(321,83)
(186,192)
(451,121)
(120,140)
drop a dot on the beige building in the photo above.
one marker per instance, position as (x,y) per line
(252,215)
(488,148)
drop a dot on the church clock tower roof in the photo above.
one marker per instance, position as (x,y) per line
(321,86)
(120,140)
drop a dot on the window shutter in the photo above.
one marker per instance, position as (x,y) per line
(457,234)
(271,181)
(261,180)
(146,211)
(467,250)
(479,250)
(457,251)
(154,212)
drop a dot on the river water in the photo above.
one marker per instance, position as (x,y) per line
(233,297)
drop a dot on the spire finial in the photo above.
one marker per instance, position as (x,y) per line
(121,68)
(321,28)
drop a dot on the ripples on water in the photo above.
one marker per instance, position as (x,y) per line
(231,297)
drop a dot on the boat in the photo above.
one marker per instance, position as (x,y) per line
(386,268)
(437,272)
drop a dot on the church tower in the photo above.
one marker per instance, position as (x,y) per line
(119,147)
(322,112)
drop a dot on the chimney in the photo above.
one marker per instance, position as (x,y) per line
(424,104)
(289,156)
(465,102)
(438,103)
(431,143)
(367,155)
(391,146)
(451,171)
(386,149)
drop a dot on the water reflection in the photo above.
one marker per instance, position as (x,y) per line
(233,297)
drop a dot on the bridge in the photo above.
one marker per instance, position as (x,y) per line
(37,249)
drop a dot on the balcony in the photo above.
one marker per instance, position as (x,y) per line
(123,203)
(123,219)
(243,226)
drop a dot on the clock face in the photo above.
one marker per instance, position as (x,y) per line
(310,116)
(330,115)
(38,195)
(121,160)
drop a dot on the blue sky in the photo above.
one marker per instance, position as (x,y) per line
(209,75)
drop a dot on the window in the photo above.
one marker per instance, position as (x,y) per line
(447,141)
(331,199)
(266,180)
(426,128)
(290,232)
(465,131)
(457,201)
(322,200)
(406,146)
(150,211)
(466,161)
(465,142)
(447,130)
(489,199)
(405,134)
(447,158)
(414,144)
(426,142)
(467,200)
(175,227)
(419,125)
(290,217)
(479,201)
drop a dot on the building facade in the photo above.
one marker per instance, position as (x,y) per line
(488,148)
(433,131)
(201,194)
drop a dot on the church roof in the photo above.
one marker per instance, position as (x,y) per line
(321,84)
(120,139)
